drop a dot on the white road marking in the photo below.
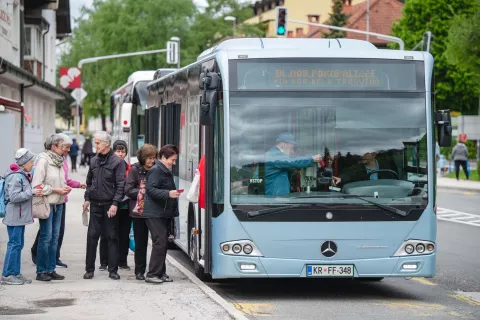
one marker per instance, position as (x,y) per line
(458,217)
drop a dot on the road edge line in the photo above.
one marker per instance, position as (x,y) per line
(230,309)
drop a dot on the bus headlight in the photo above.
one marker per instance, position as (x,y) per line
(240,248)
(415,247)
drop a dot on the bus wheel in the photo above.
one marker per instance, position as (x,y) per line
(199,270)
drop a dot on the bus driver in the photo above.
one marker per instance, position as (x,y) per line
(279,159)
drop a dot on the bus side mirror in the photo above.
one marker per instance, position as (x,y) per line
(444,127)
(209,82)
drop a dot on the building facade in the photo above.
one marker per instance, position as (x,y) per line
(29,30)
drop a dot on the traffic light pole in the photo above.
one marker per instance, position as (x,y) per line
(378,35)
(113,56)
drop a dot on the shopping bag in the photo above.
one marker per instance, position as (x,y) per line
(172,230)
(40,207)
(194,191)
(132,239)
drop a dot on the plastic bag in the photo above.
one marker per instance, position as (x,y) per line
(194,191)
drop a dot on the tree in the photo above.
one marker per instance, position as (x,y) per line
(337,18)
(64,110)
(121,26)
(455,87)
(463,43)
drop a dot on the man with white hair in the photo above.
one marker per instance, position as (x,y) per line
(105,190)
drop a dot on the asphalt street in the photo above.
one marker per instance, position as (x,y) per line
(442,297)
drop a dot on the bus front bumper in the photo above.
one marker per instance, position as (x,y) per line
(227,266)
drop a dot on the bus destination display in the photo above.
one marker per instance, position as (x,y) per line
(356,76)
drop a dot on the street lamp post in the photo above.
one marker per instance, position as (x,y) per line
(177,39)
(234,20)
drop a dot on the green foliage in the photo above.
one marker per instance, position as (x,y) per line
(122,26)
(456,88)
(474,175)
(338,19)
(64,110)
(463,43)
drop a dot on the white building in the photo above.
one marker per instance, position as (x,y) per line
(28,33)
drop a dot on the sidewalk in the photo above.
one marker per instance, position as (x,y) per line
(101,297)
(465,185)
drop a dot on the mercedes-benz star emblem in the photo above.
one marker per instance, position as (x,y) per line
(328,249)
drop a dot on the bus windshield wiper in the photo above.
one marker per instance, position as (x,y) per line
(256,213)
(379,205)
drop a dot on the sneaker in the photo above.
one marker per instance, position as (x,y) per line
(11,280)
(61,264)
(55,276)
(88,275)
(114,276)
(140,276)
(103,267)
(43,277)
(166,278)
(155,280)
(22,277)
(124,267)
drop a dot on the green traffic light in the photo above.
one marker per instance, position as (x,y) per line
(281,30)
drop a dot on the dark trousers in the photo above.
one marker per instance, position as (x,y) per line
(74,163)
(462,163)
(158,228)
(100,224)
(60,236)
(124,222)
(140,233)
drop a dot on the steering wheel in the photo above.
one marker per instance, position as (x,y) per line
(383,170)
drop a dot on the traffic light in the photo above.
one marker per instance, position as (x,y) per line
(280,21)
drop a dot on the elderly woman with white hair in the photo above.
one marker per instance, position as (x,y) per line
(49,176)
(66,144)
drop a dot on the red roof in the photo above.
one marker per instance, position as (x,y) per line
(383,13)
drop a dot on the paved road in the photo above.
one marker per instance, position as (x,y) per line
(438,298)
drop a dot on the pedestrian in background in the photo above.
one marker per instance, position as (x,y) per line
(161,206)
(135,189)
(105,186)
(49,176)
(460,157)
(66,147)
(18,213)
(120,148)
(74,154)
(87,151)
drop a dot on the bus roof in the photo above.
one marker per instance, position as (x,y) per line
(133,79)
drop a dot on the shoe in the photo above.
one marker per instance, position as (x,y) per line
(166,278)
(124,267)
(114,276)
(61,264)
(155,280)
(103,267)
(43,277)
(88,275)
(11,280)
(140,276)
(55,276)
(22,277)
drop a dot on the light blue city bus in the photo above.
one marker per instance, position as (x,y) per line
(319,158)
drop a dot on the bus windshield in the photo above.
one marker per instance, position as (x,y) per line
(371,144)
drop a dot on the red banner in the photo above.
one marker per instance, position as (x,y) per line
(70,78)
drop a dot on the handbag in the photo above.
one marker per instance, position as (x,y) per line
(194,191)
(140,198)
(40,207)
(172,230)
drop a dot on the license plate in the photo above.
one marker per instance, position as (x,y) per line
(330,270)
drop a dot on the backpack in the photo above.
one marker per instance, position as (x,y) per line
(3,201)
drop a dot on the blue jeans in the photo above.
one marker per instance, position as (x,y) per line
(48,240)
(11,266)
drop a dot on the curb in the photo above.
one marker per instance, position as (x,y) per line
(472,189)
(231,310)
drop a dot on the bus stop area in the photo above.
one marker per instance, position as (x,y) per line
(101,297)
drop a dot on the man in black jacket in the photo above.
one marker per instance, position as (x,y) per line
(105,190)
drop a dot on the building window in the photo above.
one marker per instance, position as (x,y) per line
(28,41)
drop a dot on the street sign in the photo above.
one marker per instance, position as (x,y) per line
(70,78)
(79,95)
(172,52)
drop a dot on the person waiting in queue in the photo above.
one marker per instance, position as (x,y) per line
(279,160)
(367,169)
